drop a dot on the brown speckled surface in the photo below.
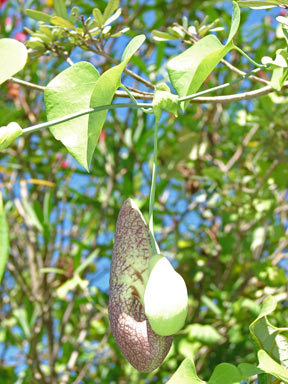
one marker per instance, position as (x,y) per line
(139,344)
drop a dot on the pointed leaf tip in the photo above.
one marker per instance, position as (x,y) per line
(8,134)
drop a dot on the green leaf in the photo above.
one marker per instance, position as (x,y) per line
(278,78)
(131,48)
(262,4)
(248,370)
(70,285)
(269,338)
(110,8)
(104,91)
(8,134)
(235,21)
(60,8)
(258,238)
(270,366)
(21,315)
(98,17)
(164,99)
(89,260)
(4,239)
(112,18)
(61,22)
(70,92)
(225,373)
(189,70)
(13,58)
(37,15)
(73,17)
(206,334)
(33,215)
(186,374)
(162,36)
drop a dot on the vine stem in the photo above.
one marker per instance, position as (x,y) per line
(145,107)
(264,66)
(218,87)
(153,188)
(134,100)
(84,112)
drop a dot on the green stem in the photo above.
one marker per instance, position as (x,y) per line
(145,107)
(72,116)
(225,85)
(153,188)
(133,99)
(249,58)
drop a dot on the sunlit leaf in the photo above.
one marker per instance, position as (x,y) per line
(225,373)
(70,92)
(164,100)
(104,91)
(110,8)
(60,8)
(268,365)
(186,374)
(8,134)
(189,70)
(13,58)
(268,337)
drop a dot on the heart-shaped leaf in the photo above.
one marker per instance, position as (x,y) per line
(69,92)
(271,339)
(13,58)
(186,374)
(78,88)
(104,92)
(188,70)
(225,373)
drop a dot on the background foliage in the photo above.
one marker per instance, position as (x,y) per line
(220,211)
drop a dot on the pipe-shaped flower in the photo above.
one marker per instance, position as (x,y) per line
(132,250)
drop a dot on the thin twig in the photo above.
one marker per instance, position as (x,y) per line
(240,149)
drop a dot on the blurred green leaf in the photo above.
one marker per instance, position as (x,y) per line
(206,334)
(61,22)
(60,8)
(4,239)
(110,8)
(38,15)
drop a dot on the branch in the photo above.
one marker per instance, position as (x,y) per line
(195,98)
(240,149)
(237,97)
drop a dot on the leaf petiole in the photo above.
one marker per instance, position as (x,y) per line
(153,189)
(135,101)
(263,66)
